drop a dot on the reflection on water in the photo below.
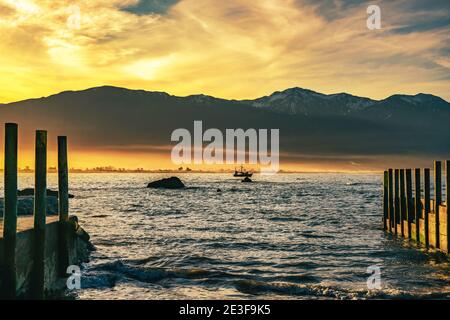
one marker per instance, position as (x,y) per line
(289,236)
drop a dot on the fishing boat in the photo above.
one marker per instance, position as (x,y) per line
(242,173)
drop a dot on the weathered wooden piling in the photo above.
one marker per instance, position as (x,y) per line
(396,199)
(385,199)
(63,183)
(427,206)
(10,209)
(403,209)
(30,252)
(447,201)
(418,203)
(437,198)
(423,220)
(409,201)
(391,198)
(40,209)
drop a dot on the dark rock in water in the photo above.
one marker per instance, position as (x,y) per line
(80,232)
(30,192)
(25,206)
(247,179)
(83,245)
(25,202)
(219,190)
(169,183)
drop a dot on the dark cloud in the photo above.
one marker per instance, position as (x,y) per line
(334,9)
(144,7)
(429,5)
(445,51)
(424,24)
(425,15)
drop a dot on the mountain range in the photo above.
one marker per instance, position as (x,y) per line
(297,101)
(313,126)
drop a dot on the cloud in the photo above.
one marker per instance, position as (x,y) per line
(143,7)
(231,49)
(419,16)
(6,10)
(334,9)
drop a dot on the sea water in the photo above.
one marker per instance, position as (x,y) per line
(287,236)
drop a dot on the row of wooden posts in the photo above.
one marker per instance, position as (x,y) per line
(400,204)
(40,208)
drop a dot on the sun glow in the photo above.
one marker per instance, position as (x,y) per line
(148,69)
(231,49)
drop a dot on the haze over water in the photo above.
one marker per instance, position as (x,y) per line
(288,236)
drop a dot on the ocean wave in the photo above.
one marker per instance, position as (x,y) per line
(295,234)
(188,260)
(287,219)
(363,183)
(317,236)
(254,287)
(100,216)
(302,278)
(307,265)
(108,275)
(121,270)
(166,212)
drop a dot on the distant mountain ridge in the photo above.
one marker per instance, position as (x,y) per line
(296,101)
(313,126)
(305,102)
(308,102)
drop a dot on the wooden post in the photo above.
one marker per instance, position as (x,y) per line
(409,201)
(418,205)
(396,199)
(403,209)
(427,204)
(385,199)
(437,198)
(447,201)
(391,199)
(40,208)
(10,210)
(63,201)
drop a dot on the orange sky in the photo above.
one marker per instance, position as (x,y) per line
(231,49)
(155,161)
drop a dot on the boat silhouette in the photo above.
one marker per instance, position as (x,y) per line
(242,173)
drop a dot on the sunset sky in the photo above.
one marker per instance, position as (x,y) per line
(231,49)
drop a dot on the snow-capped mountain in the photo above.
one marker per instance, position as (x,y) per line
(298,101)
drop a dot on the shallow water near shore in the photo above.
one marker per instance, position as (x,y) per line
(288,236)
